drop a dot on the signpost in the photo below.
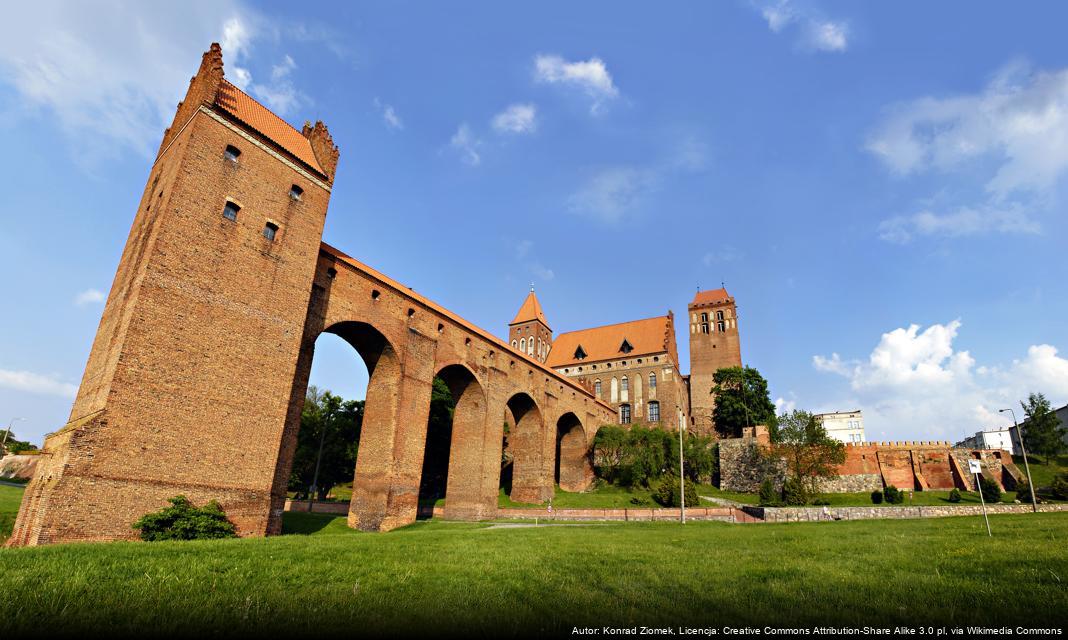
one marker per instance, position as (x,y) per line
(975,467)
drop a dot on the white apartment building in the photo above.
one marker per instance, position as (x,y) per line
(991,439)
(846,426)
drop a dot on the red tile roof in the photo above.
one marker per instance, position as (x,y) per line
(531,310)
(710,296)
(243,107)
(648,336)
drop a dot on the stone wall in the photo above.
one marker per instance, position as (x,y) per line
(815,514)
(742,468)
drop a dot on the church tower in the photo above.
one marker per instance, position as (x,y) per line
(529,333)
(714,345)
(189,378)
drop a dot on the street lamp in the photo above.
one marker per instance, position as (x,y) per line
(3,445)
(1023,449)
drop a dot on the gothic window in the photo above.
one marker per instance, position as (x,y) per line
(624,414)
(523,344)
(230,211)
(626,346)
(652,380)
(515,344)
(654,411)
(625,384)
(597,388)
(232,153)
(270,230)
(295,192)
(615,390)
(580,353)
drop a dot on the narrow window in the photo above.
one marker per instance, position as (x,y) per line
(624,384)
(720,326)
(597,388)
(704,327)
(652,380)
(704,317)
(232,153)
(654,411)
(295,192)
(624,414)
(719,315)
(515,345)
(270,230)
(230,211)
(523,344)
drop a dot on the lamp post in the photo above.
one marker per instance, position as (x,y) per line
(682,477)
(3,445)
(1023,449)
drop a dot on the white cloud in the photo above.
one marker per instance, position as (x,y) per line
(517,118)
(109,73)
(916,384)
(613,193)
(465,142)
(89,296)
(1012,135)
(965,221)
(782,405)
(36,383)
(280,94)
(816,32)
(591,76)
(389,115)
(1019,122)
(541,271)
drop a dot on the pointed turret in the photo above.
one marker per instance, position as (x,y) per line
(529,332)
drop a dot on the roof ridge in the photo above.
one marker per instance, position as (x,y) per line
(265,107)
(614,324)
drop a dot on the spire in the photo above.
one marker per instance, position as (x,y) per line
(531,310)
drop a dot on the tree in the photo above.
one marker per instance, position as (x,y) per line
(14,445)
(183,521)
(809,452)
(642,454)
(1043,433)
(991,490)
(336,423)
(742,400)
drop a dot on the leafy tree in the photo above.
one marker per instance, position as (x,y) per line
(742,400)
(793,492)
(14,445)
(768,496)
(893,495)
(1043,433)
(183,521)
(809,452)
(991,490)
(610,452)
(335,422)
(667,494)
(877,496)
(1059,488)
(433,480)
(700,456)
(954,495)
(641,454)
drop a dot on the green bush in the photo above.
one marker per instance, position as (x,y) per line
(183,521)
(667,494)
(877,496)
(954,495)
(991,490)
(768,495)
(793,492)
(1060,487)
(894,495)
(1023,491)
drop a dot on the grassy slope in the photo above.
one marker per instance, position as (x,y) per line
(10,499)
(1041,473)
(445,576)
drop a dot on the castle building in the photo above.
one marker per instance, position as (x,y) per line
(844,426)
(714,345)
(634,366)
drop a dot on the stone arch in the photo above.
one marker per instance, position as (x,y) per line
(531,481)
(573,470)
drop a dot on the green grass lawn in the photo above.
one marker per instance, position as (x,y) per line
(1041,473)
(446,577)
(10,499)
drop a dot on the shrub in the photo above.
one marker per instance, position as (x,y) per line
(793,492)
(894,495)
(667,494)
(1023,491)
(991,490)
(183,521)
(768,496)
(1060,487)
(954,495)
(820,502)
(877,497)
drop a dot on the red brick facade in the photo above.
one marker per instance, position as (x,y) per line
(197,375)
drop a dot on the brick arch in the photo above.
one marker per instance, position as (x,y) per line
(530,480)
(573,470)
(468,424)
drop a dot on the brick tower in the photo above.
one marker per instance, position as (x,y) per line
(529,332)
(189,378)
(714,344)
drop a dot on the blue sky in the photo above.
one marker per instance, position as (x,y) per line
(882,187)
